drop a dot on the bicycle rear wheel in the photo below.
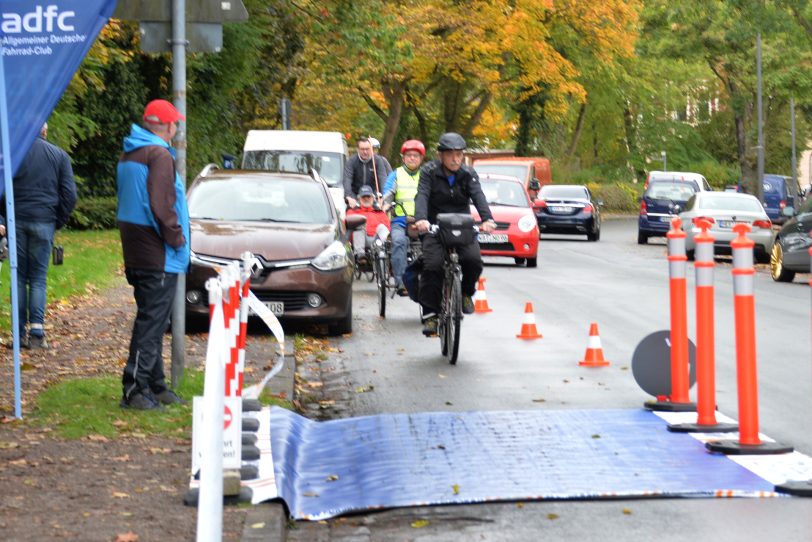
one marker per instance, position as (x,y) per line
(454,319)
(380,274)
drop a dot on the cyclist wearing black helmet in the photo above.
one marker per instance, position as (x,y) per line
(533,188)
(448,186)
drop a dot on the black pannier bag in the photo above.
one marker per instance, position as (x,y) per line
(456,229)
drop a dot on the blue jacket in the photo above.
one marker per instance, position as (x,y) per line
(153,219)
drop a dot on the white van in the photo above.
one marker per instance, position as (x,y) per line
(299,151)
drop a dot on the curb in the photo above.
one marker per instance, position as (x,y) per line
(268,522)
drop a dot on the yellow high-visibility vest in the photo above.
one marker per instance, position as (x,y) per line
(407,190)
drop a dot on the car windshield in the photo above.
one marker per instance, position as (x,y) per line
(327,164)
(272,199)
(564,192)
(676,191)
(504,193)
(716,203)
(514,170)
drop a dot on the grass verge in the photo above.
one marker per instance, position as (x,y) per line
(92,261)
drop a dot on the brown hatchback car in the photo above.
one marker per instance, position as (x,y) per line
(290,224)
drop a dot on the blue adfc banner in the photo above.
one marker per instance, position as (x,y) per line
(43,44)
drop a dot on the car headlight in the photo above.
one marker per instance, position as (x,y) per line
(331,258)
(527,223)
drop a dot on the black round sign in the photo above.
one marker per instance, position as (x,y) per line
(651,363)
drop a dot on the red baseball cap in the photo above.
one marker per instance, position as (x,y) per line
(161,112)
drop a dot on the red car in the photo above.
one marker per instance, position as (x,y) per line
(517,234)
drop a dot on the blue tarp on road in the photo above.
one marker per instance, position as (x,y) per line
(324,469)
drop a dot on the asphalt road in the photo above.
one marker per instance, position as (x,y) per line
(623,287)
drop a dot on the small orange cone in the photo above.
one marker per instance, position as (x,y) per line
(480,299)
(529,325)
(594,352)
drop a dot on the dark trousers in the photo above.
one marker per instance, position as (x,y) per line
(154,293)
(431,278)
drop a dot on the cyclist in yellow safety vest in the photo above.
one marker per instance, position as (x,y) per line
(400,189)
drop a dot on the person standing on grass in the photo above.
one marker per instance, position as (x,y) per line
(44,197)
(153,221)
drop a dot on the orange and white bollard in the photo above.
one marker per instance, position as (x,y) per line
(705,340)
(746,378)
(678,401)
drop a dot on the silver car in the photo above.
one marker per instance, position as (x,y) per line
(725,209)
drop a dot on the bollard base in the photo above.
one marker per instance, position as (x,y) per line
(249,439)
(249,472)
(192,495)
(700,428)
(669,406)
(799,488)
(251,405)
(734,447)
(250,453)
(250,425)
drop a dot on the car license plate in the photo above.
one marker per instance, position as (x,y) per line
(559,209)
(492,238)
(728,224)
(276,307)
(666,219)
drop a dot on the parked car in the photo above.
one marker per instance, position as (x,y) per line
(569,209)
(780,192)
(525,169)
(665,195)
(790,252)
(516,235)
(724,210)
(289,222)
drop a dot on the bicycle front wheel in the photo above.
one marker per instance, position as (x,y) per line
(454,319)
(380,274)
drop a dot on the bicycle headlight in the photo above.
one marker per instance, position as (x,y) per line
(527,223)
(331,258)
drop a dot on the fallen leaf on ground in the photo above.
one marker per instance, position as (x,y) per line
(364,389)
(420,523)
(8,445)
(332,478)
(456,489)
(552,516)
(127,537)
(120,495)
(257,525)
(539,400)
(627,511)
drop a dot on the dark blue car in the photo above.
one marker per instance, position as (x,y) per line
(665,197)
(568,209)
(779,193)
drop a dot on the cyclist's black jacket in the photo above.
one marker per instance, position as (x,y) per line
(435,195)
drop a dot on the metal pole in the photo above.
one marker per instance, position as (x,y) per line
(179,95)
(665,163)
(759,193)
(11,233)
(794,156)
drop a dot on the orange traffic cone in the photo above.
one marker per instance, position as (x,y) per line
(529,325)
(594,352)
(480,299)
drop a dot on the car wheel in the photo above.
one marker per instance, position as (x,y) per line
(642,238)
(594,236)
(532,262)
(778,272)
(519,261)
(340,327)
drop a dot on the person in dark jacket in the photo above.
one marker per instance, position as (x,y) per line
(365,168)
(153,222)
(44,197)
(448,186)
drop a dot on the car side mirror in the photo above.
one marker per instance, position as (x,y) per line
(789,210)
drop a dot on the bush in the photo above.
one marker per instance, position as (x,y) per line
(94,214)
(617,197)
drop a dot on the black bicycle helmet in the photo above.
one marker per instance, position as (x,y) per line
(534,185)
(451,141)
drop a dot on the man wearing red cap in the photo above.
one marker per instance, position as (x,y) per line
(153,222)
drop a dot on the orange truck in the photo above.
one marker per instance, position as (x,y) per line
(524,168)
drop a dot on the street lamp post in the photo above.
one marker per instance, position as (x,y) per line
(665,163)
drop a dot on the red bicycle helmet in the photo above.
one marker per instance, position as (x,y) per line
(413,145)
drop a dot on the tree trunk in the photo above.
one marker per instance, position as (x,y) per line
(394,94)
(576,134)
